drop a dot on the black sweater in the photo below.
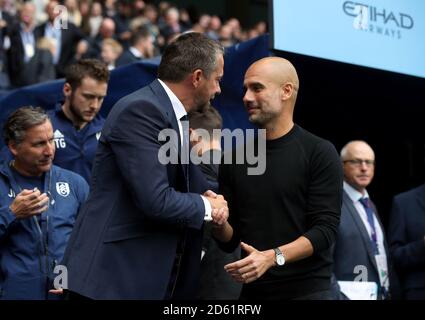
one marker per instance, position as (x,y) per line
(298,195)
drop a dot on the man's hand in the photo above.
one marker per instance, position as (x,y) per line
(220,211)
(251,267)
(29,203)
(220,217)
(57,292)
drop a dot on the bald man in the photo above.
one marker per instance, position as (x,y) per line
(286,219)
(361,252)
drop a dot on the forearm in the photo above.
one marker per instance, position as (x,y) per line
(224,233)
(297,250)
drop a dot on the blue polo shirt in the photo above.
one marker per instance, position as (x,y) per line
(75,149)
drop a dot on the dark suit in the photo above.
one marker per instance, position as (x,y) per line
(139,213)
(69,40)
(127,57)
(38,69)
(353,248)
(406,232)
(16,56)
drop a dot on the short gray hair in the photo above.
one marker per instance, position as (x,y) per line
(20,121)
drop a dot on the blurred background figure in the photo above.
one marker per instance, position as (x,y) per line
(74,14)
(406,233)
(361,239)
(172,24)
(6,22)
(22,44)
(111,51)
(215,282)
(142,47)
(66,40)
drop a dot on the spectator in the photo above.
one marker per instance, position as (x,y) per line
(214,28)
(65,39)
(106,31)
(74,14)
(111,51)
(6,22)
(141,47)
(122,21)
(40,67)
(22,44)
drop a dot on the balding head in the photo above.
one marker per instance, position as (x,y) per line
(27,13)
(359,164)
(107,28)
(357,147)
(271,86)
(278,70)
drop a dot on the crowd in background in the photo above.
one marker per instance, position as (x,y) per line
(33,49)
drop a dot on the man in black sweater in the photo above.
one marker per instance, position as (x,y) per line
(286,219)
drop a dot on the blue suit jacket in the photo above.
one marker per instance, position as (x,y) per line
(353,247)
(406,232)
(124,242)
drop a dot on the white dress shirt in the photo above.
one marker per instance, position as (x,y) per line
(180,111)
(355,196)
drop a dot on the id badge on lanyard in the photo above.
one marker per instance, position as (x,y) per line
(381,263)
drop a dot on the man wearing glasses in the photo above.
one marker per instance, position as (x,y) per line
(361,252)
(38,206)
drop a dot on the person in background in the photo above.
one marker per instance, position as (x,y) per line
(361,248)
(406,237)
(22,44)
(142,47)
(205,136)
(76,121)
(69,41)
(111,51)
(39,203)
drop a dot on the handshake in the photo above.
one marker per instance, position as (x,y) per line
(219,209)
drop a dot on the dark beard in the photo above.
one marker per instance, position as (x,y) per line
(75,113)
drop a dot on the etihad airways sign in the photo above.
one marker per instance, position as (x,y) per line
(379,20)
(382,34)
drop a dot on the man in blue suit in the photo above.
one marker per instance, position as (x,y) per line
(139,235)
(361,252)
(406,234)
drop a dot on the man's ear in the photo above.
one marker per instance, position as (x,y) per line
(196,77)
(13,148)
(287,90)
(67,90)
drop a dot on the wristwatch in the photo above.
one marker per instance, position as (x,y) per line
(280,259)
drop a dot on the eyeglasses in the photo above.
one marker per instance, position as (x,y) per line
(359,162)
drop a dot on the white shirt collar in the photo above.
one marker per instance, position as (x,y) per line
(136,52)
(178,107)
(353,193)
